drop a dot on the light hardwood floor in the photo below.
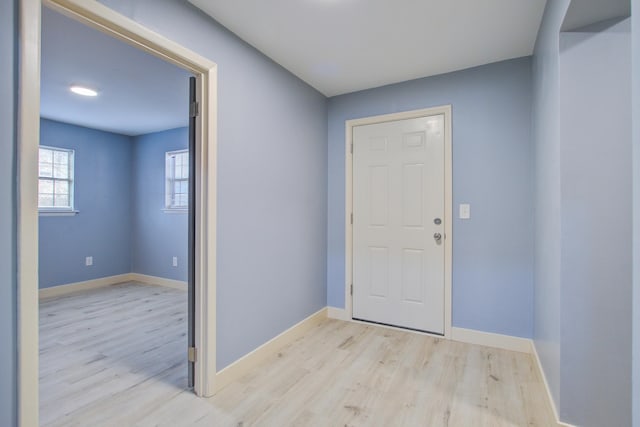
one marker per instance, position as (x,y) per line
(116,357)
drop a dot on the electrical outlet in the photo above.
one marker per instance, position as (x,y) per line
(175,261)
(88,260)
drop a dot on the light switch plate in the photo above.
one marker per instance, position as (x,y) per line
(465,211)
(88,261)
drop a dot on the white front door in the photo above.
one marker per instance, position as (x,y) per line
(398,223)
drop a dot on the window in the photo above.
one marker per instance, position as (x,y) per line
(55,179)
(177,180)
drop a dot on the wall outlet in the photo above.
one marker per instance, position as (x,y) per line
(88,260)
(175,261)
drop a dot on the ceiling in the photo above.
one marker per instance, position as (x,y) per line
(337,46)
(138,93)
(586,12)
(341,46)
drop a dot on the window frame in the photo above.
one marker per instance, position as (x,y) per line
(169,180)
(59,210)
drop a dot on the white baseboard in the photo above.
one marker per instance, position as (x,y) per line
(337,313)
(249,361)
(543,377)
(56,291)
(470,336)
(160,281)
(505,342)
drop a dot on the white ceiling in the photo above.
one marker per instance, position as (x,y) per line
(586,12)
(341,46)
(139,93)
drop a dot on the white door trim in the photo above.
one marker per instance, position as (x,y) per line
(349,125)
(94,14)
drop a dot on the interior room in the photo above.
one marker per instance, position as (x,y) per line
(113,211)
(410,213)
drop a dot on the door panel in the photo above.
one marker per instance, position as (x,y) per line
(413,275)
(398,192)
(379,201)
(412,195)
(379,267)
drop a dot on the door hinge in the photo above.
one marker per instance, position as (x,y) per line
(192,354)
(351,148)
(352,289)
(194,109)
(351,218)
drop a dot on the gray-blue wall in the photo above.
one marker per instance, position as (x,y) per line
(8,97)
(156,236)
(119,193)
(492,170)
(102,228)
(272,191)
(635,45)
(546,139)
(583,181)
(596,180)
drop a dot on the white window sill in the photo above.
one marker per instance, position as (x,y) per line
(175,210)
(44,212)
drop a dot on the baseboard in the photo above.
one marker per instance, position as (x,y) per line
(56,291)
(160,281)
(543,377)
(488,339)
(470,336)
(248,362)
(337,313)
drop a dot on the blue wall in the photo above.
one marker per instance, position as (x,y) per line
(492,170)
(546,139)
(272,165)
(582,269)
(8,94)
(156,236)
(635,47)
(119,193)
(102,228)
(596,180)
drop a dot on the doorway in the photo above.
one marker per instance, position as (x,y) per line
(399,230)
(100,17)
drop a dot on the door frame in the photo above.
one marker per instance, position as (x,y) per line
(100,17)
(448,202)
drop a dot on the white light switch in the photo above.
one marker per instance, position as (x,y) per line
(465,211)
(88,260)
(175,261)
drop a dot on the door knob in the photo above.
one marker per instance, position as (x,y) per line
(437,237)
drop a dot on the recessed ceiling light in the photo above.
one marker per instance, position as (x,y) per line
(84,91)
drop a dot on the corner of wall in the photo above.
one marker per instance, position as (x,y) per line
(545,137)
(635,49)
(9,41)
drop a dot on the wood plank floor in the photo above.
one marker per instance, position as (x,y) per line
(116,357)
